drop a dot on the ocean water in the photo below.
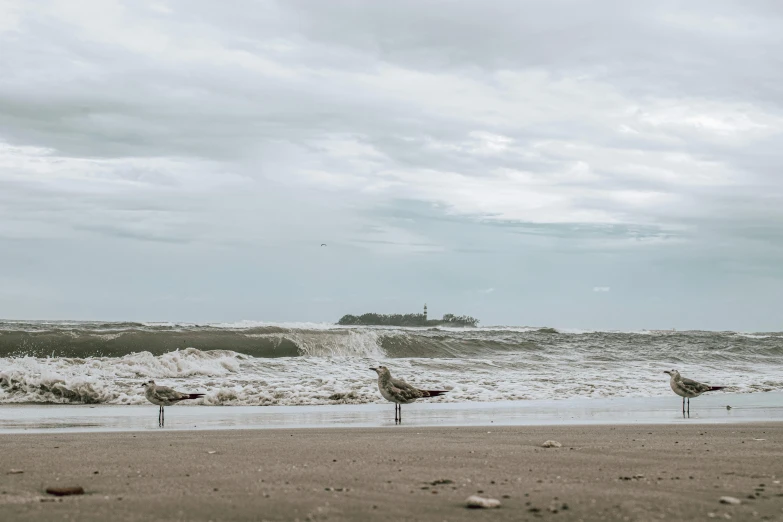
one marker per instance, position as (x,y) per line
(313,364)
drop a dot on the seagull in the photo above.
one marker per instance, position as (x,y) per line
(323,244)
(165,396)
(400,392)
(688,388)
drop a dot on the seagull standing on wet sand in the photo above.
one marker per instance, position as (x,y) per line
(165,396)
(400,392)
(687,388)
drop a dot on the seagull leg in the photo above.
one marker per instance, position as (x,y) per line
(683,406)
(400,413)
(689,406)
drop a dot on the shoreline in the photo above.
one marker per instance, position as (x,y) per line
(708,409)
(622,472)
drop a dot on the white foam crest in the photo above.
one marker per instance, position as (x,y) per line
(356,343)
(105,379)
(52,387)
(178,364)
(228,378)
(753,336)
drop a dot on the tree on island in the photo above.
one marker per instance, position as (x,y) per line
(373,319)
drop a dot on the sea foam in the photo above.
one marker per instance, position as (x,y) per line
(275,364)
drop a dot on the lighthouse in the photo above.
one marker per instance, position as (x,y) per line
(425,312)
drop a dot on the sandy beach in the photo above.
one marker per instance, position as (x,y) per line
(640,472)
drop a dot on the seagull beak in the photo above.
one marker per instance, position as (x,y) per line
(667,371)
(374,369)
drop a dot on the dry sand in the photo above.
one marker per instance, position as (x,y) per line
(675,472)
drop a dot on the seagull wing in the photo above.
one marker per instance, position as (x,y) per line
(693,386)
(164,393)
(405,390)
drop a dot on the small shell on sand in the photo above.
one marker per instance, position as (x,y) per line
(63,491)
(474,501)
(730,500)
(551,444)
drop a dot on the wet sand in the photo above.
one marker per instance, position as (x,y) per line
(49,418)
(654,472)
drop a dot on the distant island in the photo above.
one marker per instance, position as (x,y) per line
(373,319)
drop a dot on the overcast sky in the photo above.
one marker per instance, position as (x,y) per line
(564,163)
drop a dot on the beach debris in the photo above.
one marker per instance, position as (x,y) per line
(211,452)
(728,407)
(635,477)
(15,471)
(343,396)
(66,490)
(441,481)
(759,439)
(477,502)
(730,500)
(551,444)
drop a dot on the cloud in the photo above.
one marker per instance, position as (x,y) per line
(513,132)
(601,289)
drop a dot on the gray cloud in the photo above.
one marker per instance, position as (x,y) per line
(494,137)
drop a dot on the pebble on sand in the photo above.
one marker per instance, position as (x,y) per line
(474,502)
(730,500)
(551,444)
(441,481)
(15,471)
(63,491)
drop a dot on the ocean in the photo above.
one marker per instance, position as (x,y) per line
(264,364)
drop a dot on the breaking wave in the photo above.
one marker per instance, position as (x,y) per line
(263,364)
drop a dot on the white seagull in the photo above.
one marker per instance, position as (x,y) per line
(165,396)
(400,392)
(687,388)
